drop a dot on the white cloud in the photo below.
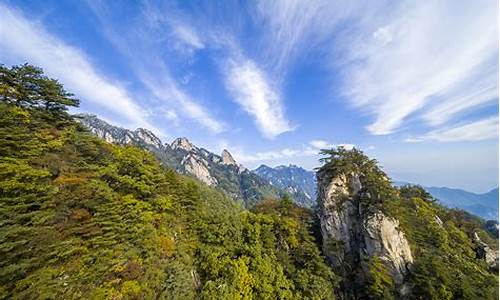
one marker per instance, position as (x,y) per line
(483,90)
(425,60)
(172,116)
(253,91)
(243,157)
(164,89)
(188,36)
(383,34)
(294,27)
(436,50)
(144,47)
(476,131)
(23,40)
(313,148)
(321,144)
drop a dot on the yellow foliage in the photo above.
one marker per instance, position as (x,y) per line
(70,179)
(131,289)
(167,246)
(80,214)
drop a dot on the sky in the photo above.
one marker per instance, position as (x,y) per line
(413,84)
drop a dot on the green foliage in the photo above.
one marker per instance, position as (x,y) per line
(376,185)
(409,191)
(27,86)
(83,219)
(381,285)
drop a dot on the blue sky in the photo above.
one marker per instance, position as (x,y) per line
(412,83)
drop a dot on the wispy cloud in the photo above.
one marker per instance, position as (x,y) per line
(144,45)
(313,148)
(257,96)
(292,28)
(321,144)
(475,131)
(166,90)
(419,60)
(481,91)
(24,40)
(430,53)
(187,36)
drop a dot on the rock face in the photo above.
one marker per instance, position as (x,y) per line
(227,158)
(222,172)
(183,144)
(199,169)
(483,251)
(353,234)
(384,240)
(148,137)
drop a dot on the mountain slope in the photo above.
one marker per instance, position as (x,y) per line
(220,171)
(300,183)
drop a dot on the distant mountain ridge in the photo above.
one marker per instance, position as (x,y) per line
(483,205)
(302,183)
(220,171)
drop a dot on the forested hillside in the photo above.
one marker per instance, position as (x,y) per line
(81,218)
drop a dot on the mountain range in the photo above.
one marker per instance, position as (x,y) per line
(223,172)
(219,171)
(484,205)
(298,182)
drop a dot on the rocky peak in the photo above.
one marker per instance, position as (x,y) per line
(182,143)
(105,131)
(148,137)
(357,233)
(227,158)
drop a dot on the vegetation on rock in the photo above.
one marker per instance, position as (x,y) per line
(447,264)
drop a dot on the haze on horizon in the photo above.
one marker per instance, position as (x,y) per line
(413,84)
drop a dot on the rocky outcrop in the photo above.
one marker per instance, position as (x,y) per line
(148,137)
(183,144)
(483,251)
(354,235)
(227,158)
(199,168)
(105,131)
(383,239)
